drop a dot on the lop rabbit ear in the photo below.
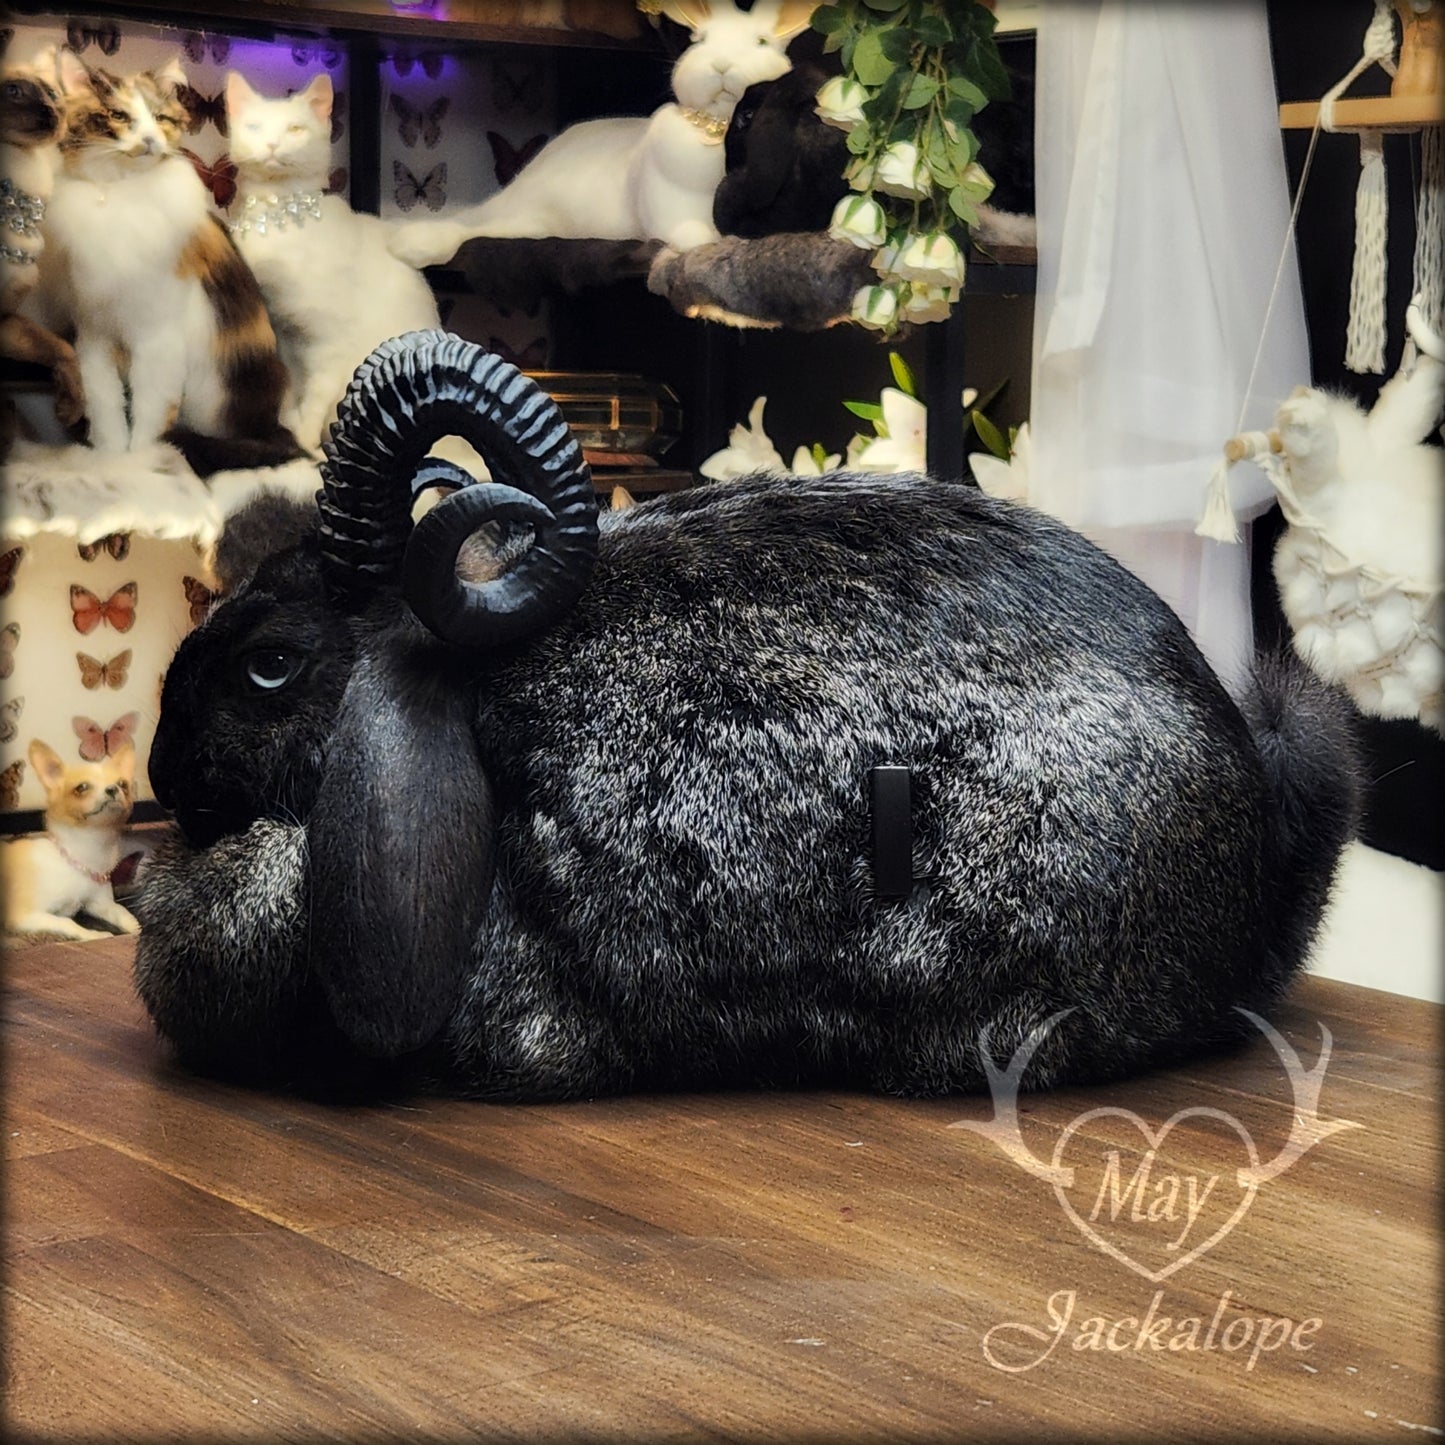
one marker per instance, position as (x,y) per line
(772,145)
(401,850)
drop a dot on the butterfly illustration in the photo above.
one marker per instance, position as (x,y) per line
(94,673)
(8,563)
(418,122)
(9,641)
(196,44)
(116,543)
(219,176)
(97,742)
(200,598)
(338,117)
(10,719)
(508,159)
(203,108)
(10,781)
(323,52)
(533,356)
(432,189)
(101,33)
(117,611)
(429,60)
(516,87)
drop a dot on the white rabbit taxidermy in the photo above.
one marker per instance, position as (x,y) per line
(635,177)
(1360,568)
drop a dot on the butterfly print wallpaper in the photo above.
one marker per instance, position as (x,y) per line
(88,626)
(430,190)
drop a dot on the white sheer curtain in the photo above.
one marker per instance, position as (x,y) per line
(1163,209)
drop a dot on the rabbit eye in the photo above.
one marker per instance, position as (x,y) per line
(271,669)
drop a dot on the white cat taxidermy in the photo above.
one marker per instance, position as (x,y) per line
(332,287)
(50,878)
(170,328)
(636,177)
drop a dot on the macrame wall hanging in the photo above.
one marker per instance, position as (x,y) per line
(1359,567)
(1414,104)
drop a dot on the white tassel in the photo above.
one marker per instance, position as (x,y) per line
(1218,522)
(1365,338)
(1429,290)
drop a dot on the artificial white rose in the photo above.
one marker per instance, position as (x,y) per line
(859,219)
(928,303)
(840,102)
(976,182)
(903,172)
(885,259)
(876,307)
(934,260)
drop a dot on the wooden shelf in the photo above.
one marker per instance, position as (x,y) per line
(1378,112)
(598,24)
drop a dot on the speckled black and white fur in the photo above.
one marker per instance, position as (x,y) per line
(677,771)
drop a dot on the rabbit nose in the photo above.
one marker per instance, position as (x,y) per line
(721,64)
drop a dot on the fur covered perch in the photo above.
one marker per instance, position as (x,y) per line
(804,280)
(801,279)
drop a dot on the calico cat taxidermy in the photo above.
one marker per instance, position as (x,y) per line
(50,878)
(636,177)
(31,124)
(172,334)
(333,289)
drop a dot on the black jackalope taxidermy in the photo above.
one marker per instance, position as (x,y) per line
(602,821)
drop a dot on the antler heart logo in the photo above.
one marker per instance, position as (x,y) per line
(1154,1206)
(1140,1209)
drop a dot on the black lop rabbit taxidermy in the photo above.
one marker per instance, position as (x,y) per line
(784,165)
(601,822)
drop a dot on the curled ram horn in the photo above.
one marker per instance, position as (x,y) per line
(407,395)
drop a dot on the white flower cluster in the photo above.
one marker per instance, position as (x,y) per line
(920,272)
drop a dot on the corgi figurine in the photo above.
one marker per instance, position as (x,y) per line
(51,877)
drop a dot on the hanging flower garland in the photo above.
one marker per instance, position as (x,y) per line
(915,74)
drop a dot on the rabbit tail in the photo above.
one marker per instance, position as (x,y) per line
(1304,731)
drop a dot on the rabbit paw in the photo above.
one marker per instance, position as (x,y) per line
(1305,424)
(426,243)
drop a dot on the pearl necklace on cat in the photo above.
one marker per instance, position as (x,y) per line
(274,213)
(22,213)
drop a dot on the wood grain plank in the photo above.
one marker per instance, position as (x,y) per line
(188,1260)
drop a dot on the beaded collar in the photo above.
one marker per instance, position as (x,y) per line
(712,126)
(91,873)
(21,213)
(274,213)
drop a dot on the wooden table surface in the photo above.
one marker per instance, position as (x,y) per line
(186,1260)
